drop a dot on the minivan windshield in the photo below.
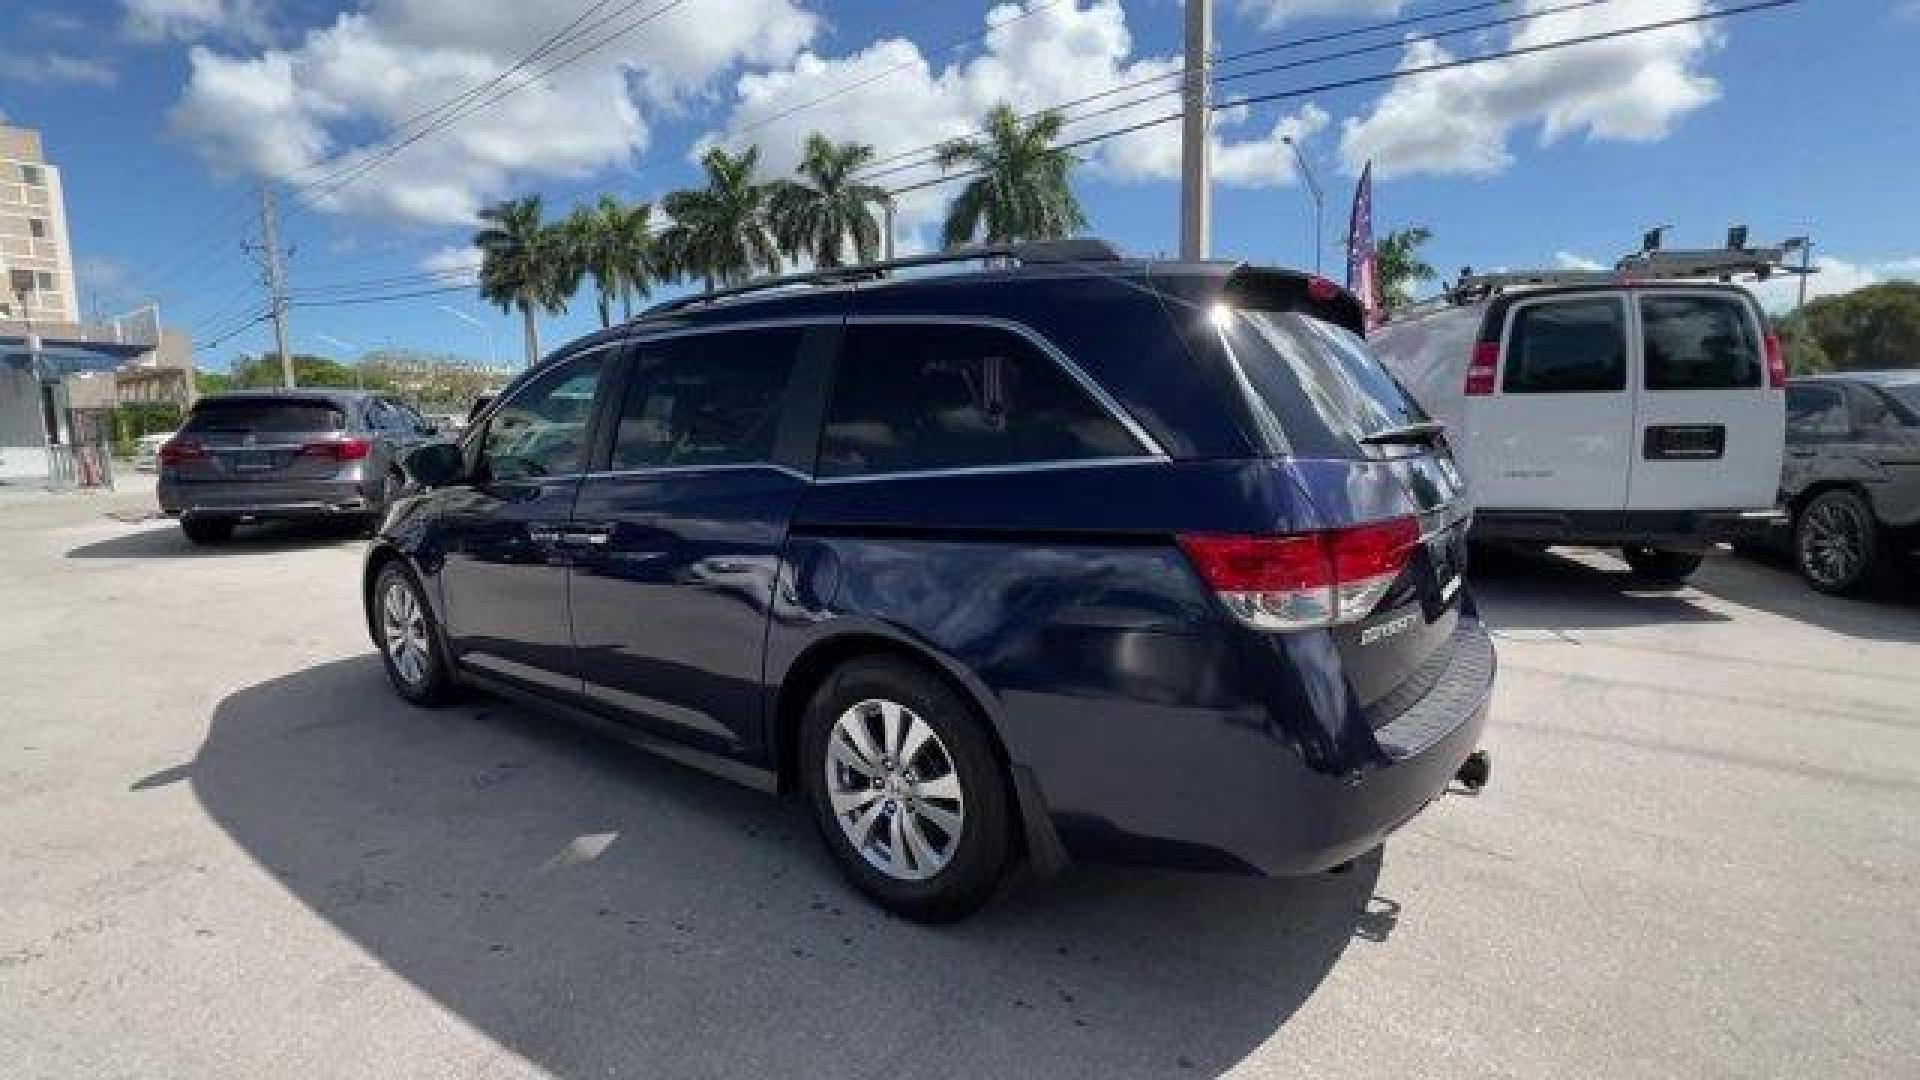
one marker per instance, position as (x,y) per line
(262,416)
(1288,356)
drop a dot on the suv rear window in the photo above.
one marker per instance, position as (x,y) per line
(1567,347)
(917,397)
(1287,356)
(264,417)
(1699,342)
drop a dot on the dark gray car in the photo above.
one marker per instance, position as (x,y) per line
(1851,478)
(270,455)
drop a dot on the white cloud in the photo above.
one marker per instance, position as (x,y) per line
(191,20)
(1052,54)
(302,112)
(1570,261)
(56,68)
(1459,121)
(460,261)
(1272,13)
(1836,275)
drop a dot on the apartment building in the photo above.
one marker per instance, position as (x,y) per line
(36,261)
(60,377)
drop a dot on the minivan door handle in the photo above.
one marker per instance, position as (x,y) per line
(586,535)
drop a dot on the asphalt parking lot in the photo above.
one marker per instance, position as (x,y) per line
(229,851)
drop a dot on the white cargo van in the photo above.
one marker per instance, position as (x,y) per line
(1604,411)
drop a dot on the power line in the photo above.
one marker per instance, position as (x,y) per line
(1367,80)
(874,172)
(384,298)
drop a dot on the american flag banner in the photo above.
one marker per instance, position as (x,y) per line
(1363,271)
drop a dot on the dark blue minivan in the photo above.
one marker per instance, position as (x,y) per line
(1059,555)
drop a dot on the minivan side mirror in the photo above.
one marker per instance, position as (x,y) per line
(435,464)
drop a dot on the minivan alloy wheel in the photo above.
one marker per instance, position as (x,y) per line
(894,789)
(403,625)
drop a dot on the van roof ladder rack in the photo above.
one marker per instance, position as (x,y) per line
(1717,264)
(1072,250)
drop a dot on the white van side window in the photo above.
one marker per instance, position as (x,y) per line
(1573,346)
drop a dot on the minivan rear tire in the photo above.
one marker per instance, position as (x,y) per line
(1662,566)
(983,852)
(427,680)
(207,531)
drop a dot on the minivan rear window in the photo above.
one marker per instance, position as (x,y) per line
(1576,346)
(1289,357)
(265,417)
(1699,343)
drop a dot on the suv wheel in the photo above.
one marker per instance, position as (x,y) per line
(205,530)
(1836,544)
(906,790)
(1663,566)
(409,642)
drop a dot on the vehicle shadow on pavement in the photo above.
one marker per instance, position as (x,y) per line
(1891,612)
(601,912)
(1548,591)
(168,542)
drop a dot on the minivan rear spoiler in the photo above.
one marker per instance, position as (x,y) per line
(1264,288)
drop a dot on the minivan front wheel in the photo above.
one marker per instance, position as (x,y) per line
(907,792)
(1662,566)
(409,642)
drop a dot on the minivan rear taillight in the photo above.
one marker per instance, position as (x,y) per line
(338,449)
(175,451)
(1304,580)
(1776,364)
(1485,367)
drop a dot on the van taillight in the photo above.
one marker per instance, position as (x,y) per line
(1304,580)
(1481,373)
(338,449)
(1776,363)
(175,451)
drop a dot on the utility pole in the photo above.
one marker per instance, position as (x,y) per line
(1196,198)
(1805,244)
(1319,201)
(276,280)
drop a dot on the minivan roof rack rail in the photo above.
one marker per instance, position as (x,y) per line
(1719,264)
(1071,250)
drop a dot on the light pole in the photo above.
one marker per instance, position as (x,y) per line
(1319,200)
(492,360)
(1805,244)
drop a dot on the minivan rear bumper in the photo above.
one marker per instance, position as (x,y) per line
(1613,528)
(1254,805)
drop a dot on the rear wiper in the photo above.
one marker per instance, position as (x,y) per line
(1414,434)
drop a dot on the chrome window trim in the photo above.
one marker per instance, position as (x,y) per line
(996,470)
(1106,401)
(674,470)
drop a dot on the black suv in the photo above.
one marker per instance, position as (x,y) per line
(1082,557)
(1851,478)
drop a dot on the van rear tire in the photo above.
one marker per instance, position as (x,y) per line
(1663,567)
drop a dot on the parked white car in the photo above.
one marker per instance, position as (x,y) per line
(146,450)
(1647,416)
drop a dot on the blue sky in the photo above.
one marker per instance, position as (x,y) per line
(163,114)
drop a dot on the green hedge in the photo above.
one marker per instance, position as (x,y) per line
(135,419)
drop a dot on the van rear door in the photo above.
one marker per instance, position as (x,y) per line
(1554,432)
(1708,429)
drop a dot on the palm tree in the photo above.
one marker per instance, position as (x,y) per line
(719,233)
(1398,264)
(592,234)
(522,264)
(1021,191)
(634,254)
(823,214)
